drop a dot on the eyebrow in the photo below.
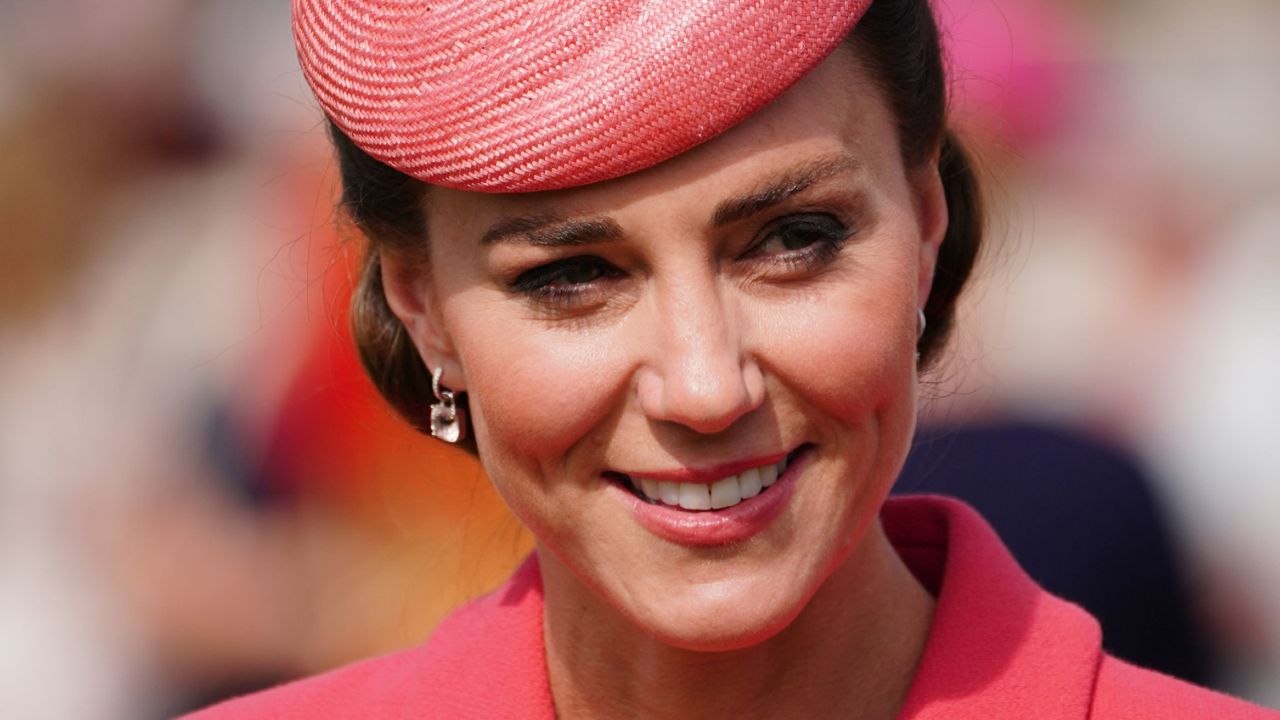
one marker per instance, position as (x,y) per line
(773,190)
(551,230)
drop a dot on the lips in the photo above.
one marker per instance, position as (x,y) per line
(703,493)
(717,516)
(723,493)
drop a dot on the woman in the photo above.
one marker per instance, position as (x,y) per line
(673,268)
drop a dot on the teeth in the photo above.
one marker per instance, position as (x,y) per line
(695,496)
(723,493)
(650,487)
(769,475)
(668,492)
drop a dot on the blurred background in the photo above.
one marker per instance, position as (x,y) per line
(200,494)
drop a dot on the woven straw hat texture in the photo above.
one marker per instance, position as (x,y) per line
(525,95)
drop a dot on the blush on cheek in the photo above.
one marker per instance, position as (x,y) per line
(849,363)
(873,393)
(535,398)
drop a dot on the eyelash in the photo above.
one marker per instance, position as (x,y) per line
(828,235)
(545,285)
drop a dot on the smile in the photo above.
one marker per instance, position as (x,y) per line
(708,506)
(718,494)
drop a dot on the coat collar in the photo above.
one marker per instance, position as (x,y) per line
(999,646)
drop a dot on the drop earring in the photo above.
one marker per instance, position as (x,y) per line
(921,324)
(448,421)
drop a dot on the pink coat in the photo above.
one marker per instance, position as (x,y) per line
(999,647)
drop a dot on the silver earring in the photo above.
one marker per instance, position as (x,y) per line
(448,421)
(921,323)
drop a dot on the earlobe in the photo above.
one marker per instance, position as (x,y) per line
(411,298)
(932,218)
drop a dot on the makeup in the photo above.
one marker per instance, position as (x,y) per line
(697,508)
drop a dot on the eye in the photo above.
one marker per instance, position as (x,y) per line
(564,282)
(809,239)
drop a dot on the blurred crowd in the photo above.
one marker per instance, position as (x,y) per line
(200,494)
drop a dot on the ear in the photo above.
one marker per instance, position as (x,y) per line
(932,218)
(411,296)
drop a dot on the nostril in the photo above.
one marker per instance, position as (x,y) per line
(753,381)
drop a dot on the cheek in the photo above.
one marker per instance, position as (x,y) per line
(851,351)
(534,390)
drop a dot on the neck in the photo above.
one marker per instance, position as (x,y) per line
(850,653)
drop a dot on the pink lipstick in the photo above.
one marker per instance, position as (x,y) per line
(714,505)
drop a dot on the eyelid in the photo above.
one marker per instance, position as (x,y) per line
(811,218)
(802,216)
(552,270)
(828,219)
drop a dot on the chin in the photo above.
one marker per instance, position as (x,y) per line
(716,618)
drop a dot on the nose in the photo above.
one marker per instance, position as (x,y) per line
(697,372)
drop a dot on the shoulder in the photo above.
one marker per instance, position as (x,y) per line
(383,687)
(485,660)
(381,681)
(1132,693)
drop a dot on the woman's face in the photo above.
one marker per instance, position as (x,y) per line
(748,304)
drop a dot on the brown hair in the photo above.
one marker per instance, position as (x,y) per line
(897,39)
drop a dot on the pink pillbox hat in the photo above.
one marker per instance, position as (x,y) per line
(524,95)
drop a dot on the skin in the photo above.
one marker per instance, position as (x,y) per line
(684,343)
